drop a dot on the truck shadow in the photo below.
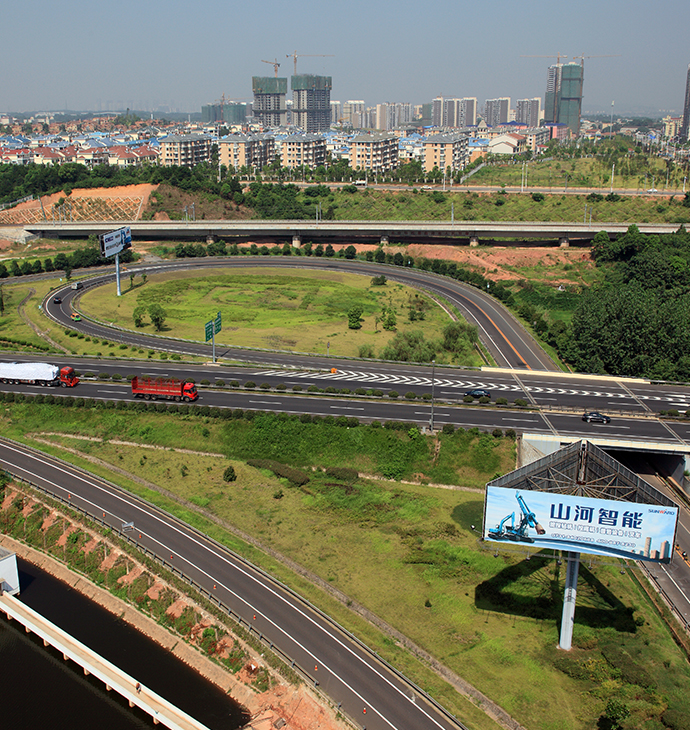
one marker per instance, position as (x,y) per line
(534,587)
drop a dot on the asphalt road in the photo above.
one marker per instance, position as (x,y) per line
(368,689)
(505,338)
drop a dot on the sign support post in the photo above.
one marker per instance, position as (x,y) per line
(572,571)
(117,273)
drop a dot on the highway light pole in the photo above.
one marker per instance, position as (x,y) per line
(433,382)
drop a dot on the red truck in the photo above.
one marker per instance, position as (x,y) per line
(164,388)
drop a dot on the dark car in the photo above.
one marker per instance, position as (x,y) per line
(57,300)
(479,393)
(595,417)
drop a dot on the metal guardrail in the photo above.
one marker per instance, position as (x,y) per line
(242,622)
(4,206)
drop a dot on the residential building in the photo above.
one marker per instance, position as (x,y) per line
(497,111)
(311,102)
(442,151)
(536,138)
(375,152)
(508,144)
(672,126)
(336,112)
(186,150)
(246,150)
(466,115)
(352,112)
(528,111)
(685,129)
(269,101)
(553,84)
(308,150)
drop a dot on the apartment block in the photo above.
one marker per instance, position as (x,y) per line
(308,150)
(442,151)
(353,109)
(497,111)
(375,152)
(186,150)
(528,111)
(246,150)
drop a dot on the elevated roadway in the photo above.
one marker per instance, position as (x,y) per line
(342,231)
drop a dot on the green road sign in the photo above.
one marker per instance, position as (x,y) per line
(217,323)
(209,330)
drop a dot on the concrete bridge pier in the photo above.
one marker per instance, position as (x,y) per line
(296,241)
(211,238)
(474,241)
(564,242)
(384,241)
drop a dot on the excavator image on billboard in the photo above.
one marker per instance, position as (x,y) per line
(507,530)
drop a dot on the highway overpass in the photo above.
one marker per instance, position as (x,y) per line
(299,231)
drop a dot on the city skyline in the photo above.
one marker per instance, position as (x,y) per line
(158,57)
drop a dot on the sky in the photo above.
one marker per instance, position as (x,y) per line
(156,54)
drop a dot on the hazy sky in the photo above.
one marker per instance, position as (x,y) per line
(150,54)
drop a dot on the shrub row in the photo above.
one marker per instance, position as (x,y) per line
(342,473)
(296,477)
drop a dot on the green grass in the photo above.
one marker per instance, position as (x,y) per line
(300,311)
(493,206)
(409,554)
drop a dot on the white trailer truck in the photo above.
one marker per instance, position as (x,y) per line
(37,373)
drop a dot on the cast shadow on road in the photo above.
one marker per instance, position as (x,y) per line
(534,587)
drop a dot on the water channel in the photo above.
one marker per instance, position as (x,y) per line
(41,690)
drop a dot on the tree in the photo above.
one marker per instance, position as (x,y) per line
(158,315)
(354,317)
(60,262)
(131,283)
(138,315)
(330,251)
(380,256)
(350,252)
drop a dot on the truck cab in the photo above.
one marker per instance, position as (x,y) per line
(189,391)
(68,378)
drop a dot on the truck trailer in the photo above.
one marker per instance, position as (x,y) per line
(37,373)
(163,388)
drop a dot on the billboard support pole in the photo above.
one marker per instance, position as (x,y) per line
(213,340)
(568,618)
(117,273)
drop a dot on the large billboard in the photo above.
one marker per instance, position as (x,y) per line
(115,241)
(580,524)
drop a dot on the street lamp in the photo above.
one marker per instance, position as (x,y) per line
(433,382)
(613,170)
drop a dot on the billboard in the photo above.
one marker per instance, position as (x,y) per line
(580,524)
(115,241)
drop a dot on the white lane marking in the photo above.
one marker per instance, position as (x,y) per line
(267,402)
(426,413)
(239,568)
(526,420)
(347,408)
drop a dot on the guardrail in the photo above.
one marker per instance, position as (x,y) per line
(241,621)
(4,206)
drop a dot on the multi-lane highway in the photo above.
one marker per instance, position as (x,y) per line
(366,688)
(507,341)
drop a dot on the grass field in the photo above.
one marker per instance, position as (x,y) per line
(406,552)
(304,311)
(494,206)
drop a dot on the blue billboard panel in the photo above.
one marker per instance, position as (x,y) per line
(581,524)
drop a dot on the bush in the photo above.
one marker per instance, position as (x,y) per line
(250,384)
(510,433)
(497,433)
(296,388)
(229,474)
(104,376)
(393,394)
(281,386)
(296,477)
(448,428)
(521,402)
(265,386)
(501,401)
(220,383)
(410,395)
(468,399)
(313,389)
(376,424)
(343,473)
(204,382)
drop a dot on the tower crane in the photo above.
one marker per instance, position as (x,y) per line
(605,55)
(275,65)
(557,56)
(294,56)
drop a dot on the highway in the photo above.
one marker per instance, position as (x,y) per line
(507,341)
(368,689)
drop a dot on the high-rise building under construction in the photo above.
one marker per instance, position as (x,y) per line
(311,102)
(685,128)
(563,100)
(269,101)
